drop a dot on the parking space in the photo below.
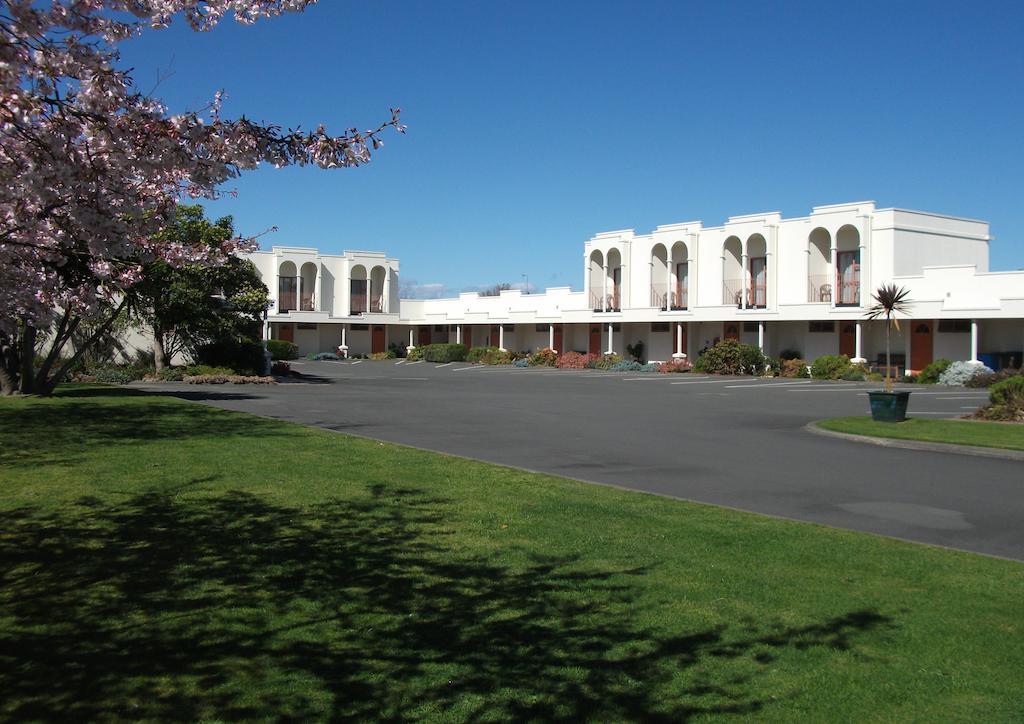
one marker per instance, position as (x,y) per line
(738,442)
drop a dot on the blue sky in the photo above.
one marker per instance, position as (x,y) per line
(534,125)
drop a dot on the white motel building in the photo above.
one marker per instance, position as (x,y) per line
(800,284)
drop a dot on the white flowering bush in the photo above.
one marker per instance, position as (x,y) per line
(960,373)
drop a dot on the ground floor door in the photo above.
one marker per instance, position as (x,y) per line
(732,331)
(377,341)
(467,336)
(920,344)
(848,339)
(423,337)
(594,347)
(286,331)
(558,339)
(492,341)
(678,344)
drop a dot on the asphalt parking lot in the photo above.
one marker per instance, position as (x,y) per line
(738,442)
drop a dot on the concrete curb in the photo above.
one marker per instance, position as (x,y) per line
(981,452)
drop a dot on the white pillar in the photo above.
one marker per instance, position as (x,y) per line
(501,337)
(298,290)
(668,284)
(760,336)
(344,346)
(858,346)
(679,354)
(385,299)
(611,346)
(589,276)
(833,279)
(316,288)
(275,293)
(551,337)
(458,334)
(410,347)
(604,288)
(744,284)
(974,340)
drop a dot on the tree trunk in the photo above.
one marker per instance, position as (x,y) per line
(888,357)
(26,383)
(160,360)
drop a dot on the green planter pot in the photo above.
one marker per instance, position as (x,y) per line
(888,406)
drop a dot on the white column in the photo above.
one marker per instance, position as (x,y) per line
(668,284)
(611,346)
(410,347)
(858,346)
(344,345)
(833,280)
(604,288)
(458,334)
(316,289)
(275,293)
(551,337)
(679,354)
(501,337)
(974,340)
(298,290)
(744,284)
(760,336)
(588,275)
(385,299)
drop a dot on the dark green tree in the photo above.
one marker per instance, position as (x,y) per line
(186,307)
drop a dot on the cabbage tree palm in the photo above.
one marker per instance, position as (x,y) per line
(890,300)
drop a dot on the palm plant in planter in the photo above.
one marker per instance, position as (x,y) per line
(890,300)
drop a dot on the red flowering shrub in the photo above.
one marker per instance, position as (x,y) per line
(574,360)
(676,365)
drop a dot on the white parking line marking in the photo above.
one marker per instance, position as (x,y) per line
(437,367)
(471,367)
(421,379)
(701,382)
(772,384)
(417,362)
(640,379)
(830,388)
(357,362)
(956,398)
(401,361)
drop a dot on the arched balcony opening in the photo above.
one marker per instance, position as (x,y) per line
(359,299)
(661,282)
(757,272)
(732,271)
(819,261)
(614,281)
(307,287)
(595,274)
(679,262)
(378,276)
(847,267)
(287,287)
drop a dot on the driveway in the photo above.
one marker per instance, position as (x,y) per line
(736,442)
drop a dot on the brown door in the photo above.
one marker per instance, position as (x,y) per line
(848,339)
(732,331)
(467,336)
(377,341)
(920,345)
(558,338)
(595,339)
(286,332)
(493,341)
(423,338)
(675,338)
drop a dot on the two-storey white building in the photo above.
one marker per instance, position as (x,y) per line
(798,284)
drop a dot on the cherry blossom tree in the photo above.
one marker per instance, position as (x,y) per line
(91,169)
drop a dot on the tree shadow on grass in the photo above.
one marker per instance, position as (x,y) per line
(230,606)
(59,431)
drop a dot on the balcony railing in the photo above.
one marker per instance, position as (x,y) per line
(757,296)
(359,304)
(681,298)
(306,304)
(659,296)
(819,288)
(377,304)
(732,292)
(849,292)
(610,302)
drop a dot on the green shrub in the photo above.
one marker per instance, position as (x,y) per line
(415,354)
(239,355)
(488,356)
(830,367)
(544,358)
(987,379)
(114,375)
(729,357)
(444,352)
(381,356)
(604,362)
(1008,392)
(930,374)
(794,368)
(282,349)
(855,373)
(772,366)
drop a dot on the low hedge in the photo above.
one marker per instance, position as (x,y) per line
(443,352)
(488,356)
(729,357)
(830,367)
(282,349)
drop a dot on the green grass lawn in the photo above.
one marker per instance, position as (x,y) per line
(165,560)
(958,432)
